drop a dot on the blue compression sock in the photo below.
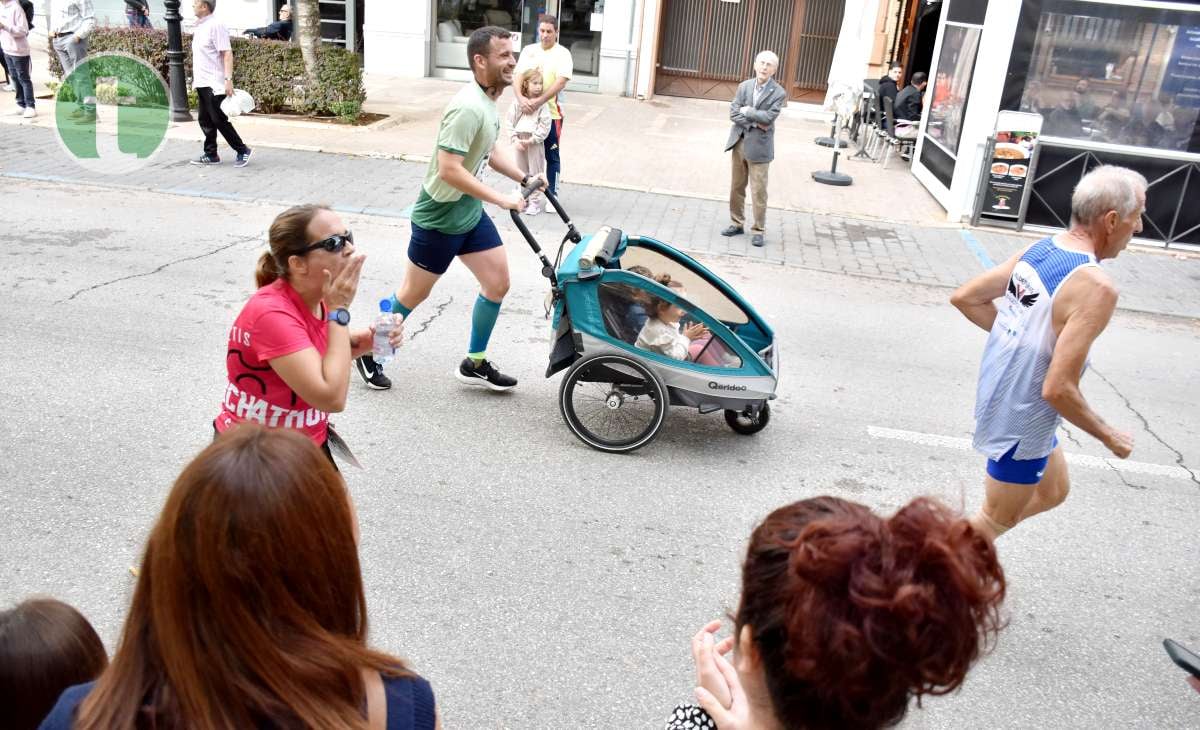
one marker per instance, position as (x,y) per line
(483,321)
(398,308)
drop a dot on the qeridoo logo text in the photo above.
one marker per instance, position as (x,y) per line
(713,385)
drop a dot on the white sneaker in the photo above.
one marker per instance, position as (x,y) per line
(30,113)
(9,87)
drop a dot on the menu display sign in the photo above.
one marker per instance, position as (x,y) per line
(1008,170)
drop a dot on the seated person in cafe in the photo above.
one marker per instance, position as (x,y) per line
(1083,99)
(888,84)
(280,30)
(1065,121)
(908,106)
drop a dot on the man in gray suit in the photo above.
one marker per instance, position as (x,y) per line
(753,111)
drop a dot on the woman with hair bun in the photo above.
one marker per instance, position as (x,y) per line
(290,347)
(846,616)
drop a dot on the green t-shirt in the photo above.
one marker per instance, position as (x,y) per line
(470,126)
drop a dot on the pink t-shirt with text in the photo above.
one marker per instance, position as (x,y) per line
(275,322)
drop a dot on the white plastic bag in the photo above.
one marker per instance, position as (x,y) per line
(238,104)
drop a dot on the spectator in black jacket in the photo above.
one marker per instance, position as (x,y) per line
(137,12)
(908,101)
(888,84)
(280,30)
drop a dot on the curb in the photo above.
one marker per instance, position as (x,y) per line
(396,214)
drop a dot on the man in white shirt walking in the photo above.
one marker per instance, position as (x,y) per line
(212,77)
(71,23)
(557,69)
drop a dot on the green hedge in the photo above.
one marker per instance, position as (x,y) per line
(271,71)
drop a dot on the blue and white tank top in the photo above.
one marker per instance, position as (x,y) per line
(1009,408)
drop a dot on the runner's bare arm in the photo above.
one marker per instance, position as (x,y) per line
(976,298)
(452,172)
(503,162)
(1088,302)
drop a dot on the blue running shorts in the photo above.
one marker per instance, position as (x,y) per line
(433,250)
(1019,471)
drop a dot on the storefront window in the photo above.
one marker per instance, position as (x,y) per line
(952,85)
(579,26)
(457,19)
(1113,74)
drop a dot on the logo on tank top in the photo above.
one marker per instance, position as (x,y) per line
(1022,291)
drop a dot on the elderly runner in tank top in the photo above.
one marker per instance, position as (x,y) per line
(1055,301)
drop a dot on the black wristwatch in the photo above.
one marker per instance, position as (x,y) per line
(525,181)
(340,316)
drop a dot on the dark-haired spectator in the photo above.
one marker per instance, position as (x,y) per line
(290,348)
(45,647)
(889,84)
(908,106)
(280,30)
(845,617)
(557,69)
(249,610)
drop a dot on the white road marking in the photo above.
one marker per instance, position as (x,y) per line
(1091,462)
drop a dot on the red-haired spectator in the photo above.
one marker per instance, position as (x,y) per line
(45,647)
(846,616)
(249,609)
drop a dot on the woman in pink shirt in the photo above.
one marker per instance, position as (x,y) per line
(290,347)
(14,44)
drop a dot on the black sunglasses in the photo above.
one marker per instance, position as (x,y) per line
(333,244)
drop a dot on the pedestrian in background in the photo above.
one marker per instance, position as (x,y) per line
(71,24)
(212,77)
(753,111)
(249,610)
(137,12)
(45,647)
(14,45)
(557,69)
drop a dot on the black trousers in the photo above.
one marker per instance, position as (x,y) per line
(213,120)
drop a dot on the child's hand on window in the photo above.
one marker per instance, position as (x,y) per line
(695,331)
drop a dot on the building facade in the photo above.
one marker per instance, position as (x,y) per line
(695,48)
(1113,81)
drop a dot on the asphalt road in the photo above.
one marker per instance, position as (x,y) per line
(537,583)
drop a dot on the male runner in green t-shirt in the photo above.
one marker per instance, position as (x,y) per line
(448,219)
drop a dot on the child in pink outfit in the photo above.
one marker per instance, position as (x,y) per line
(14,44)
(528,133)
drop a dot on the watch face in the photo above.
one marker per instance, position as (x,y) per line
(341,316)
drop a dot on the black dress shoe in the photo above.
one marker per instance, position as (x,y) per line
(733,231)
(756,240)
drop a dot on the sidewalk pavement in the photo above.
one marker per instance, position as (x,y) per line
(668,145)
(377,171)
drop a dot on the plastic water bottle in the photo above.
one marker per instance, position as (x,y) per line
(382,349)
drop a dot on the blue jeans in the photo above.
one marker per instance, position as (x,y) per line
(137,20)
(18,66)
(553,161)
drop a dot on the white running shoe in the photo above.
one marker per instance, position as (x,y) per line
(9,87)
(30,113)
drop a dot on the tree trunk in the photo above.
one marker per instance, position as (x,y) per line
(308,33)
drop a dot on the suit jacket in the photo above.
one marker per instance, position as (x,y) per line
(758,144)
